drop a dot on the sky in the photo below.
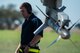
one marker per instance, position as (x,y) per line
(73,8)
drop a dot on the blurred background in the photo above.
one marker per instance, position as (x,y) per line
(11,21)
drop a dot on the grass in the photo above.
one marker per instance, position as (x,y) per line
(62,46)
(9,40)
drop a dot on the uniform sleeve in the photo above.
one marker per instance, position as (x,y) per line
(37,22)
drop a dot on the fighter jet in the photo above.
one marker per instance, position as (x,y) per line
(56,19)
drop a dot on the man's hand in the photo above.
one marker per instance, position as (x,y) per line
(26,50)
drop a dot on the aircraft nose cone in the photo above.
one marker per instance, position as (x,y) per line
(65,34)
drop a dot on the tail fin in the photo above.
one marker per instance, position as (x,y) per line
(55,41)
(42,11)
(61,9)
(73,24)
(44,25)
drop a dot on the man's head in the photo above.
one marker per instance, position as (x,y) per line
(26,9)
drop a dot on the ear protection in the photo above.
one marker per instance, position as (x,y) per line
(28,7)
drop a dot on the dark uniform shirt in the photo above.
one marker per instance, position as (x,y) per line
(28,27)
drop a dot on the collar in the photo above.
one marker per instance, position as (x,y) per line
(30,17)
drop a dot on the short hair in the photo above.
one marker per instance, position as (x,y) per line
(28,7)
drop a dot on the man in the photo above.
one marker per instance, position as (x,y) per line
(29,41)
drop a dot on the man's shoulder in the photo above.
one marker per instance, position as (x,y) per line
(35,18)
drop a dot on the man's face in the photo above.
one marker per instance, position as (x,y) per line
(24,12)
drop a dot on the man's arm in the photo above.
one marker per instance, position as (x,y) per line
(36,23)
(32,43)
(35,40)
